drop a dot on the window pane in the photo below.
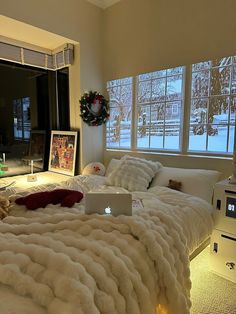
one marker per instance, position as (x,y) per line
(158,89)
(197,138)
(219,110)
(172,137)
(118,130)
(212,105)
(231,138)
(199,111)
(160,100)
(143,129)
(157,136)
(144,92)
(173,112)
(174,87)
(178,70)
(233,83)
(17,116)
(220,81)
(201,66)
(217,138)
(144,77)
(125,133)
(221,62)
(200,84)
(157,74)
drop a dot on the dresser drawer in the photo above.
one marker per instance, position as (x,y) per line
(223,254)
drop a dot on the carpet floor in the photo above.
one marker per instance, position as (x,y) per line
(210,294)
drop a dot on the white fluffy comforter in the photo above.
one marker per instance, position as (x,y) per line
(70,263)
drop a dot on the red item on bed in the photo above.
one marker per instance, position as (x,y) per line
(67,198)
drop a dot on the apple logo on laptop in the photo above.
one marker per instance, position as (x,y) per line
(107,210)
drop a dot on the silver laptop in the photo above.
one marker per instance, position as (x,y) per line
(108,203)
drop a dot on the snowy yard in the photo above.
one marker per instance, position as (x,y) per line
(216,143)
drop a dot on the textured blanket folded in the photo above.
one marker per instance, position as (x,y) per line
(97,264)
(68,262)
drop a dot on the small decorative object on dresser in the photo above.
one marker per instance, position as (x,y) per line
(63,152)
(223,239)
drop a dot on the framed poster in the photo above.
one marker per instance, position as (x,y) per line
(62,155)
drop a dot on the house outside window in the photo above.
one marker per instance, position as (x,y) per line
(21,116)
(159,106)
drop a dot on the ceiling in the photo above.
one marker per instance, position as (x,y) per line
(103,3)
(19,31)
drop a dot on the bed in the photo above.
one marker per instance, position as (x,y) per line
(59,260)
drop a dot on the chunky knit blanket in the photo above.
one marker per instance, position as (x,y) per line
(68,262)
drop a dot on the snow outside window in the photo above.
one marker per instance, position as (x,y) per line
(213,106)
(159,107)
(118,127)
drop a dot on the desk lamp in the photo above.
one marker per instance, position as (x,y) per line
(31,177)
(3,166)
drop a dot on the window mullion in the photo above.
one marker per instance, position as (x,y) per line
(134,120)
(185,125)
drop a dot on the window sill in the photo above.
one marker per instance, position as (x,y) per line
(170,154)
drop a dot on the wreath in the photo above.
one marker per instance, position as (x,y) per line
(94,109)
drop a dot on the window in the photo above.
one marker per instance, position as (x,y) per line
(213,106)
(157,108)
(31,100)
(21,116)
(118,130)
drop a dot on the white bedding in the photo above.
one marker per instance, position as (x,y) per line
(68,262)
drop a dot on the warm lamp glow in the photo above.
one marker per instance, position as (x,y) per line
(161,309)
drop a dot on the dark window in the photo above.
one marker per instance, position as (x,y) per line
(30,99)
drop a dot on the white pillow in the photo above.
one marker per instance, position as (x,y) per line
(133,174)
(112,165)
(197,182)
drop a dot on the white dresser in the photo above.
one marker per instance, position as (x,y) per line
(223,240)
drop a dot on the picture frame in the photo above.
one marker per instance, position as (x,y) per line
(36,149)
(37,143)
(62,156)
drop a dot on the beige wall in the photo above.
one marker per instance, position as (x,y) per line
(148,35)
(81,21)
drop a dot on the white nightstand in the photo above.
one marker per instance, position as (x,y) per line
(223,239)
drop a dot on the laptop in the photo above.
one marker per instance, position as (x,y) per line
(108,203)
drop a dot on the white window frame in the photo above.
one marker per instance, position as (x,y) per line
(182,100)
(187,123)
(184,129)
(119,147)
